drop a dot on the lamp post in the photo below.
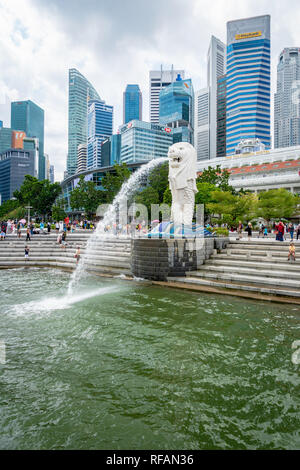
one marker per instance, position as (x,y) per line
(28,214)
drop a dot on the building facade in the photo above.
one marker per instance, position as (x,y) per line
(201,123)
(111,150)
(32,144)
(142,141)
(176,110)
(5,138)
(29,117)
(81,158)
(80,92)
(52,176)
(221,116)
(132,104)
(248,81)
(287,99)
(100,126)
(261,170)
(216,67)
(14,165)
(158,80)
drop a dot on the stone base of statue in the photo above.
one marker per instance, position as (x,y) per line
(157,258)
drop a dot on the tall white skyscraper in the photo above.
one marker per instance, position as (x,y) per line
(216,66)
(201,124)
(159,79)
(205,138)
(287,99)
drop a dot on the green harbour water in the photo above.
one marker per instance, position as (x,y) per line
(128,365)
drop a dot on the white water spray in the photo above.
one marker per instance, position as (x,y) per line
(127,190)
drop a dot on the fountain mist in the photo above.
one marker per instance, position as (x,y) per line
(127,190)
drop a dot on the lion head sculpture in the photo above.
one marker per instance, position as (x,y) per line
(182,166)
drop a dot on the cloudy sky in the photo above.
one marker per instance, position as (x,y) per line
(115,42)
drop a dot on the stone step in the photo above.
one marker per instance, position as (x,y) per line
(259,264)
(250,253)
(237,286)
(263,248)
(266,258)
(246,278)
(109,270)
(251,271)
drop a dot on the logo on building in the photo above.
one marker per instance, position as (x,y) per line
(254,34)
(129,125)
(168,130)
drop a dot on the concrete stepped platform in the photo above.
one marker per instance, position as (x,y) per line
(96,269)
(250,279)
(254,261)
(241,289)
(252,268)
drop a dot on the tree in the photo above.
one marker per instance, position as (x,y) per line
(113,181)
(158,179)
(8,206)
(86,197)
(41,195)
(147,197)
(276,204)
(232,208)
(58,211)
(217,177)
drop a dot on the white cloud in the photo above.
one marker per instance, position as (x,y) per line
(112,44)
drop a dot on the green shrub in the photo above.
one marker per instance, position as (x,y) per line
(221,232)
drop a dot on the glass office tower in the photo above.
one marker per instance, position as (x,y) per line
(80,91)
(5,138)
(100,126)
(221,116)
(29,117)
(287,99)
(132,104)
(176,109)
(248,81)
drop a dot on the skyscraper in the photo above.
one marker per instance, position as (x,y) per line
(29,117)
(100,126)
(287,99)
(176,110)
(52,174)
(201,123)
(221,116)
(142,141)
(80,91)
(159,79)
(5,138)
(248,81)
(216,65)
(81,158)
(132,104)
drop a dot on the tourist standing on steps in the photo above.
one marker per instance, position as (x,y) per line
(298,231)
(249,230)
(26,252)
(48,227)
(240,230)
(57,227)
(28,234)
(292,252)
(291,229)
(77,255)
(280,231)
(19,230)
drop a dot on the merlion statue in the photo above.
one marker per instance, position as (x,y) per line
(182,182)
